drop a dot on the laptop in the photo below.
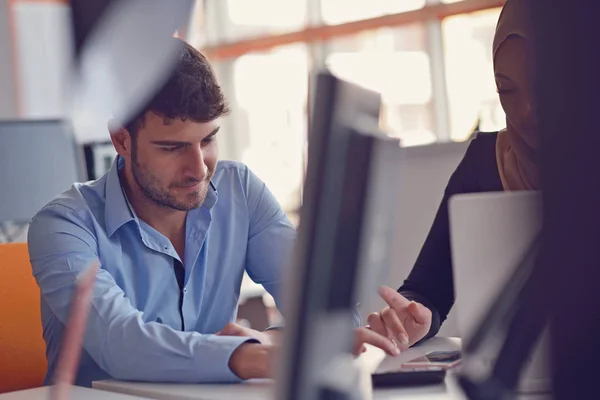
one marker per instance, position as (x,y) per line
(490,233)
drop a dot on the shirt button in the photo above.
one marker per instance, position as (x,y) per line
(184,290)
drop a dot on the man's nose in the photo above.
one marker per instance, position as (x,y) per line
(195,163)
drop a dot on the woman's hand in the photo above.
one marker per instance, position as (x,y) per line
(403,321)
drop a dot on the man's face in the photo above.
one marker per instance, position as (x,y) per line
(173,163)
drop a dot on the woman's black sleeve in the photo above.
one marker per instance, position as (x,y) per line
(430,281)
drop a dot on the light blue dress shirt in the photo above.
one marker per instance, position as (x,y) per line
(137,329)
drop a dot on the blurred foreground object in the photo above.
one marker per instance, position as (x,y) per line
(563,285)
(124,54)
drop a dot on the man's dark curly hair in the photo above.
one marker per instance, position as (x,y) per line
(190,93)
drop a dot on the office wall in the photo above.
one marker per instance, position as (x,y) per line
(42,34)
(8,104)
(8,108)
(35,54)
(43,57)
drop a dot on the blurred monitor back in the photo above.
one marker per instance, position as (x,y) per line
(344,227)
(38,161)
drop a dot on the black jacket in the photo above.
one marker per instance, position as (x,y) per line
(430,281)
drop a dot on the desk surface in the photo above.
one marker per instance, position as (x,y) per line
(374,359)
(263,389)
(77,393)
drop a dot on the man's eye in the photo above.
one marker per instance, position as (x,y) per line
(170,149)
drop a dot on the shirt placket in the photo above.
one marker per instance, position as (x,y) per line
(193,277)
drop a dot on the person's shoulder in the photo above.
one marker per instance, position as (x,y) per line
(235,179)
(230,172)
(483,140)
(78,201)
(481,145)
(479,166)
(71,200)
(230,167)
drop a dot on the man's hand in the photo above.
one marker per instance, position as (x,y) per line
(272,337)
(252,361)
(404,322)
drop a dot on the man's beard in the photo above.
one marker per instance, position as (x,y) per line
(151,188)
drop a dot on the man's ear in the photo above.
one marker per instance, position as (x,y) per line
(120,138)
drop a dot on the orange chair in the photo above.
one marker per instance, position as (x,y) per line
(22,349)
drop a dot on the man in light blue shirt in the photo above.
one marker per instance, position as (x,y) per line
(174,231)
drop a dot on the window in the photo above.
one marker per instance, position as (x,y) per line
(259,14)
(232,20)
(429,59)
(340,11)
(472,98)
(395,63)
(268,98)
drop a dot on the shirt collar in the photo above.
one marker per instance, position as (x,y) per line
(211,196)
(119,210)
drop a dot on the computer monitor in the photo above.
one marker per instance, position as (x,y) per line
(99,157)
(347,199)
(38,161)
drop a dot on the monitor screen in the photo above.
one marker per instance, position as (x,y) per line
(38,161)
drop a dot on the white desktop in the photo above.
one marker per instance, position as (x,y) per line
(422,177)
(490,233)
